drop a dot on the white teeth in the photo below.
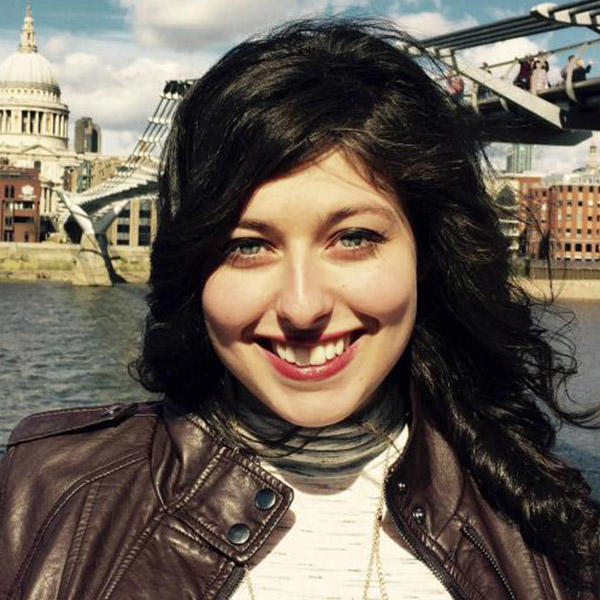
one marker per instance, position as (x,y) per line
(289,354)
(302,356)
(280,349)
(317,355)
(329,351)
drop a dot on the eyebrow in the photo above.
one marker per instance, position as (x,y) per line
(329,221)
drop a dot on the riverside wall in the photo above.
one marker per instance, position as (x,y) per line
(58,262)
(563,289)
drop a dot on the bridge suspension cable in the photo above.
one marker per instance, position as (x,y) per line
(541,19)
(562,115)
(546,53)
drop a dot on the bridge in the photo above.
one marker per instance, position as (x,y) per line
(564,114)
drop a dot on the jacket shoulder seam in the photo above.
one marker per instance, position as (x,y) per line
(62,501)
(135,547)
(79,536)
(58,422)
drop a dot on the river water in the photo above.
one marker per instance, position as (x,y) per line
(62,346)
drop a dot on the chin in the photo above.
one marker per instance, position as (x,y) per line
(318,414)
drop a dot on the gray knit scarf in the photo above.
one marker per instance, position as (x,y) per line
(332,451)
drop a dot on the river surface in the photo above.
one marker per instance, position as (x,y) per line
(63,346)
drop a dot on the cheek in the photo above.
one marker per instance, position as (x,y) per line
(230,304)
(386,292)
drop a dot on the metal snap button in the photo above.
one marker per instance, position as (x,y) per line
(238,533)
(402,488)
(418,514)
(265,499)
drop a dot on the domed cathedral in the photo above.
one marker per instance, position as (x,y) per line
(33,119)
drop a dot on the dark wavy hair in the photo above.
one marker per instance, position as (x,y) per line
(488,373)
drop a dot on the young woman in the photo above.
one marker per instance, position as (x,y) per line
(358,399)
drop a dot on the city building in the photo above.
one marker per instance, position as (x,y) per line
(519,158)
(574,211)
(574,221)
(88,136)
(135,225)
(34,120)
(92,171)
(560,214)
(20,191)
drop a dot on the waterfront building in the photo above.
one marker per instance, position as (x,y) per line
(519,158)
(34,119)
(561,214)
(135,225)
(574,221)
(88,136)
(20,192)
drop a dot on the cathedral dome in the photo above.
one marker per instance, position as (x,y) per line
(29,69)
(26,68)
(31,110)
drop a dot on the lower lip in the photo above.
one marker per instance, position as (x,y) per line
(313,372)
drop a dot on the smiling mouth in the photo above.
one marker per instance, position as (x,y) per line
(308,355)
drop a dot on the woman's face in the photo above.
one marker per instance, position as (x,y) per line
(316,300)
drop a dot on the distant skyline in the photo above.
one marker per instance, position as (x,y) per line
(112,57)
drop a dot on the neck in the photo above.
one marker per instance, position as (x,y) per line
(338,449)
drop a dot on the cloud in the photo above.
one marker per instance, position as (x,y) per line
(554,159)
(116,82)
(196,25)
(429,23)
(120,98)
(547,160)
(118,142)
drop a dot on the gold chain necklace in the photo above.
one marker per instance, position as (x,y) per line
(374,554)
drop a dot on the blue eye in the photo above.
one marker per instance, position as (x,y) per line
(357,240)
(243,250)
(353,240)
(247,247)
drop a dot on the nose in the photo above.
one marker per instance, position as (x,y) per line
(304,299)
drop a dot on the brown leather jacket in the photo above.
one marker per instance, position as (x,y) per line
(141,502)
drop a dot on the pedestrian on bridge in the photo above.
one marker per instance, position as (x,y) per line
(539,76)
(581,71)
(357,398)
(523,78)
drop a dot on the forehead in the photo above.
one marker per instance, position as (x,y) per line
(312,191)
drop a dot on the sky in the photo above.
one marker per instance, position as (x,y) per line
(112,57)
